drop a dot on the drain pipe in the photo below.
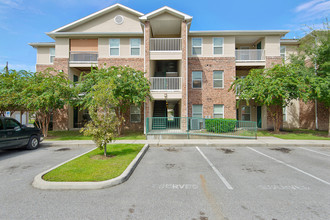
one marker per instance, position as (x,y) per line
(144,70)
(187,72)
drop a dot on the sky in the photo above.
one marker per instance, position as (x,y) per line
(26,21)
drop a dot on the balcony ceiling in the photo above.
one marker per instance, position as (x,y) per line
(169,27)
(247,39)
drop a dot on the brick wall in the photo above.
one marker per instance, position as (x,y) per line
(132,126)
(135,63)
(307,115)
(42,67)
(208,96)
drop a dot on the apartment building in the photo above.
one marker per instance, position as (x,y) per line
(190,71)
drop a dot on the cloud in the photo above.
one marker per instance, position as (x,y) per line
(19,67)
(313,10)
(307,5)
(16,4)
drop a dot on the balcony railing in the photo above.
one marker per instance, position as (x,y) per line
(83,56)
(165,44)
(250,55)
(165,83)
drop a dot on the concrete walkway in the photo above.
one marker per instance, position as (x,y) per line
(261,141)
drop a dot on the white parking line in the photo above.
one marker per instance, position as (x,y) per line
(315,151)
(288,165)
(216,170)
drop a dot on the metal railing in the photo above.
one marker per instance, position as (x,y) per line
(201,126)
(250,55)
(165,44)
(83,56)
(166,83)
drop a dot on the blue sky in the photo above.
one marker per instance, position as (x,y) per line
(25,21)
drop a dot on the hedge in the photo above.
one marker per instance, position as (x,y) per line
(220,125)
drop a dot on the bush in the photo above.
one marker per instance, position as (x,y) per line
(220,125)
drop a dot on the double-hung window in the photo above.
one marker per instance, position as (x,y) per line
(196,46)
(218,111)
(135,46)
(284,114)
(114,47)
(51,55)
(283,51)
(217,79)
(135,114)
(197,79)
(197,111)
(218,45)
(246,113)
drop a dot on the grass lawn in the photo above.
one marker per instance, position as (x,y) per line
(76,135)
(298,134)
(88,168)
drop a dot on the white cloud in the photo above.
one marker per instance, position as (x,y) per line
(307,5)
(17,4)
(313,10)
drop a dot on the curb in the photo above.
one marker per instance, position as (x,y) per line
(236,145)
(39,183)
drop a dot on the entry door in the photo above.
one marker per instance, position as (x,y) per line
(259,120)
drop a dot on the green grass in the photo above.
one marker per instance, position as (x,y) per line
(85,168)
(76,135)
(297,134)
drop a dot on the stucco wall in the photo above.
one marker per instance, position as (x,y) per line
(62,48)
(124,50)
(43,55)
(207,47)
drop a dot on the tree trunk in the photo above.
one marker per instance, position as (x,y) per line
(276,114)
(105,149)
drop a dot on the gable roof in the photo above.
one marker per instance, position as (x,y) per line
(163,10)
(95,15)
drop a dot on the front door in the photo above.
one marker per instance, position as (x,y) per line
(259,120)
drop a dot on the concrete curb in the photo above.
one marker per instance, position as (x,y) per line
(39,183)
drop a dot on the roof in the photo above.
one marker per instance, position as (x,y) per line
(239,32)
(289,41)
(95,15)
(94,34)
(163,10)
(42,44)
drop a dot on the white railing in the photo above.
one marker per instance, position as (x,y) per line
(165,44)
(166,83)
(83,56)
(250,55)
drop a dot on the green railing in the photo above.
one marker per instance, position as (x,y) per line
(201,126)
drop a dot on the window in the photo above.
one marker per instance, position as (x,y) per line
(135,114)
(282,52)
(218,111)
(11,124)
(75,78)
(246,113)
(135,46)
(217,45)
(196,46)
(51,55)
(284,114)
(114,47)
(217,79)
(197,79)
(197,111)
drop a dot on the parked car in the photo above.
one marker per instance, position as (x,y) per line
(13,135)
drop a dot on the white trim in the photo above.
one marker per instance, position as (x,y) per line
(114,48)
(130,47)
(239,32)
(50,55)
(284,57)
(165,9)
(223,110)
(192,79)
(223,79)
(96,14)
(223,44)
(192,53)
(192,110)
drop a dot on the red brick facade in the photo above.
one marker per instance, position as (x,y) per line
(307,115)
(135,63)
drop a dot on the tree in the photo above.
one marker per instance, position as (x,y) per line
(273,87)
(46,92)
(103,122)
(130,87)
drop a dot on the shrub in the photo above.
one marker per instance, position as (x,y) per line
(220,125)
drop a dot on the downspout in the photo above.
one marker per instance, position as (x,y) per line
(187,96)
(144,70)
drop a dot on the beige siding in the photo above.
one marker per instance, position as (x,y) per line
(43,55)
(272,45)
(125,49)
(83,45)
(207,47)
(292,112)
(62,48)
(105,23)
(290,49)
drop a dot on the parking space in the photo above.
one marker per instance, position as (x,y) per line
(196,182)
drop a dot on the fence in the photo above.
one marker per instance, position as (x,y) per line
(165,83)
(165,44)
(201,126)
(250,55)
(83,56)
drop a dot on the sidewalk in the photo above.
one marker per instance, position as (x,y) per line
(229,142)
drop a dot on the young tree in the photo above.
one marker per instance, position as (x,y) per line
(103,122)
(273,87)
(130,87)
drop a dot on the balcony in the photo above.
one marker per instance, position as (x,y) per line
(256,56)
(83,57)
(171,86)
(165,48)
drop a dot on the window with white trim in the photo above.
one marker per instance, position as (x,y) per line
(197,111)
(196,44)
(135,46)
(283,51)
(114,47)
(197,79)
(284,114)
(218,45)
(135,112)
(217,79)
(246,113)
(218,111)
(51,55)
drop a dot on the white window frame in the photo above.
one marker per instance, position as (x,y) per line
(139,47)
(192,79)
(193,113)
(283,55)
(130,114)
(222,46)
(217,113)
(51,56)
(284,114)
(192,46)
(245,113)
(222,80)
(114,47)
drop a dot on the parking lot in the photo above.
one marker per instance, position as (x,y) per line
(195,182)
